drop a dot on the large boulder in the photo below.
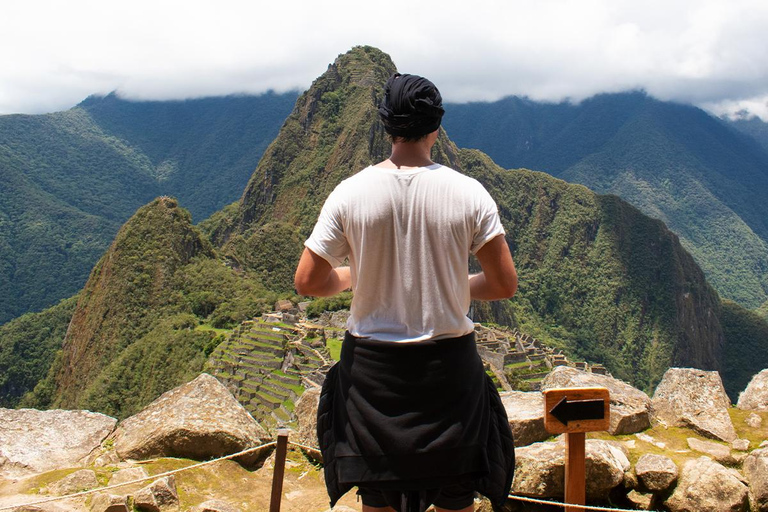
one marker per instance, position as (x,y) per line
(525,412)
(306,418)
(720,452)
(540,469)
(33,441)
(82,480)
(695,399)
(755,469)
(159,496)
(706,486)
(630,407)
(755,397)
(198,420)
(656,472)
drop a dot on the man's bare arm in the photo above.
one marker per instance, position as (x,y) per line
(498,280)
(315,276)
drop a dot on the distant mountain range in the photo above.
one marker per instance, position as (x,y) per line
(706,180)
(598,278)
(70,179)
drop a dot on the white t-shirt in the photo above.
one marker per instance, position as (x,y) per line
(408,235)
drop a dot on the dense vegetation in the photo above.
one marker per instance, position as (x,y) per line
(752,126)
(707,182)
(746,348)
(28,345)
(70,179)
(136,329)
(597,277)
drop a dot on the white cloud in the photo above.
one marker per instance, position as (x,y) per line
(701,51)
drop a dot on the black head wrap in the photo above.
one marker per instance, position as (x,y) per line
(412,106)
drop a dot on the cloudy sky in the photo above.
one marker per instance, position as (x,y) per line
(709,53)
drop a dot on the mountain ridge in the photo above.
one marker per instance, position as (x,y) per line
(707,182)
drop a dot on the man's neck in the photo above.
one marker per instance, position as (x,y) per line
(410,155)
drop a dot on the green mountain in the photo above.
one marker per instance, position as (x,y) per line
(135,331)
(70,179)
(752,126)
(28,346)
(597,277)
(706,181)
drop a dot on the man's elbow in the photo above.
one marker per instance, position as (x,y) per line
(508,287)
(304,286)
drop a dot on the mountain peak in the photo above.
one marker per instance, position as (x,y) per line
(333,132)
(125,290)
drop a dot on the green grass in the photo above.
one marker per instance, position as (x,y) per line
(334,347)
(209,327)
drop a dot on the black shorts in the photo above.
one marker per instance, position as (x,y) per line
(451,497)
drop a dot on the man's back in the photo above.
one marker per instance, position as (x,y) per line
(408,234)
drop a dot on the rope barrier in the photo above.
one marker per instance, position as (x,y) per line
(563,505)
(139,480)
(274,443)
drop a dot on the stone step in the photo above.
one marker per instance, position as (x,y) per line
(256,346)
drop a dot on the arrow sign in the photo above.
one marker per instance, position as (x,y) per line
(578,410)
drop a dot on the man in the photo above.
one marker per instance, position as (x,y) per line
(408,414)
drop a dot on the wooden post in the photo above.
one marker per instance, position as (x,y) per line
(575,471)
(279,471)
(573,412)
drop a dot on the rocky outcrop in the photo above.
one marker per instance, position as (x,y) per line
(33,441)
(540,470)
(696,399)
(706,486)
(656,472)
(104,502)
(630,407)
(755,396)
(754,421)
(755,469)
(197,420)
(306,417)
(525,412)
(717,451)
(82,480)
(159,496)
(215,506)
(128,475)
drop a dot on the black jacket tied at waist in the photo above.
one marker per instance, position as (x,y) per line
(413,417)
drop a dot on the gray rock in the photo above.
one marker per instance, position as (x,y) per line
(198,420)
(540,470)
(33,441)
(706,486)
(740,444)
(104,502)
(525,412)
(717,451)
(306,417)
(755,468)
(695,399)
(641,500)
(82,480)
(630,407)
(754,420)
(656,472)
(215,506)
(127,475)
(159,496)
(755,397)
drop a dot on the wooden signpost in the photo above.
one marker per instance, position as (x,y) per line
(575,411)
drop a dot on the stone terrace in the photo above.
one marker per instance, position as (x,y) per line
(267,366)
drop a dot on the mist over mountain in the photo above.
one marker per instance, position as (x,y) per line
(70,179)
(706,181)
